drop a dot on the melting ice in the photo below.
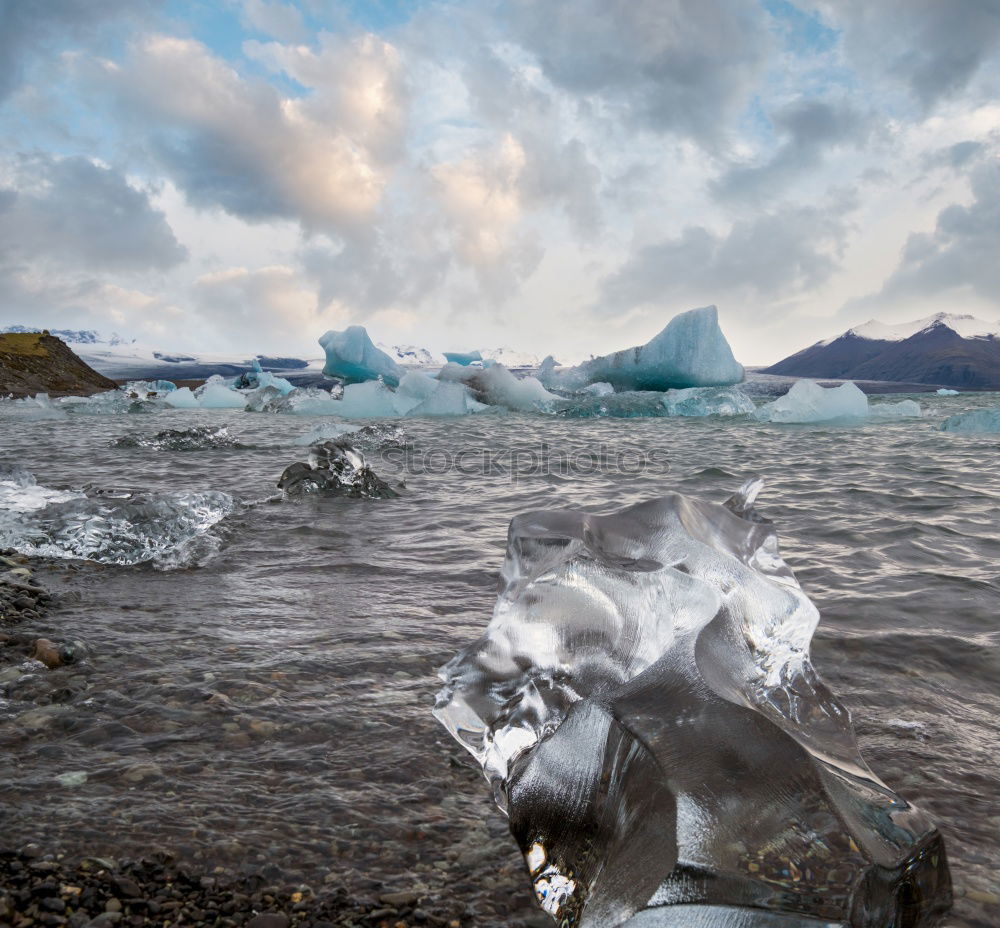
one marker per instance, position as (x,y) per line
(644,706)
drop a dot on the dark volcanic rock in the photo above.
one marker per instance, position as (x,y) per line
(40,363)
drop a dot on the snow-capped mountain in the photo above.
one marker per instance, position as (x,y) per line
(945,349)
(510,357)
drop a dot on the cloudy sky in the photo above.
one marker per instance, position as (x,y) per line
(241,175)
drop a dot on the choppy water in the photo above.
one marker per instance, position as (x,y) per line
(270,708)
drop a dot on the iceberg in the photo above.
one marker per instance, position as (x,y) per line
(259,379)
(644,707)
(708,401)
(351,356)
(182,398)
(497,386)
(905,409)
(690,352)
(335,467)
(214,393)
(975,420)
(598,389)
(944,391)
(464,358)
(807,401)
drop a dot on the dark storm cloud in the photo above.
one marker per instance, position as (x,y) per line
(961,251)
(935,48)
(72,213)
(43,27)
(658,64)
(766,258)
(810,129)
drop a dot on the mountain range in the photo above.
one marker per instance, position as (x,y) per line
(945,349)
(125,358)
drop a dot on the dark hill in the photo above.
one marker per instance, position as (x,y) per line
(32,362)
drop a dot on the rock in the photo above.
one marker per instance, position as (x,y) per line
(138,773)
(268,920)
(47,652)
(400,898)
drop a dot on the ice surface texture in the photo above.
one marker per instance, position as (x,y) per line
(690,352)
(112,527)
(352,356)
(644,706)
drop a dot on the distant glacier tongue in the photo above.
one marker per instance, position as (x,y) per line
(644,707)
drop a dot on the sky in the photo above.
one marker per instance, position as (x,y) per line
(560,177)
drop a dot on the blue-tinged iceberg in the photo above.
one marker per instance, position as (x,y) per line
(464,358)
(975,420)
(690,352)
(352,356)
(644,707)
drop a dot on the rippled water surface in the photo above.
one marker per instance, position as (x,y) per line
(269,709)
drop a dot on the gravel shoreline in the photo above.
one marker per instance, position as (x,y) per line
(36,889)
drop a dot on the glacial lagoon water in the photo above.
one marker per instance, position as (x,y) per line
(262,700)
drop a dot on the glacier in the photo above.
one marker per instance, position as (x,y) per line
(974,420)
(644,707)
(690,352)
(352,356)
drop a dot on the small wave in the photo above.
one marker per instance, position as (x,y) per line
(168,530)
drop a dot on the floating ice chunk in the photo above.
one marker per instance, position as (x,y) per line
(975,420)
(182,398)
(944,391)
(690,352)
(708,401)
(169,529)
(36,407)
(462,357)
(629,404)
(334,467)
(143,389)
(645,708)
(353,357)
(497,386)
(598,389)
(905,409)
(807,401)
(197,438)
(216,396)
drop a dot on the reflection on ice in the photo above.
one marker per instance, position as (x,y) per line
(644,706)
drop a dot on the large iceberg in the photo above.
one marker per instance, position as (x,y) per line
(807,401)
(644,706)
(351,356)
(690,352)
(975,420)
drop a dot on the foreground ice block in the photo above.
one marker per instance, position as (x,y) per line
(807,401)
(645,709)
(352,356)
(690,352)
